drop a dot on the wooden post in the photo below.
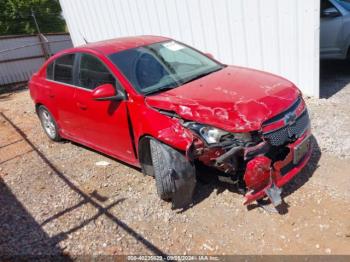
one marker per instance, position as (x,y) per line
(44,47)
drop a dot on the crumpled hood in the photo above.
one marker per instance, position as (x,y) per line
(235,99)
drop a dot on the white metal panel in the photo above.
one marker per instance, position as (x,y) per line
(279,36)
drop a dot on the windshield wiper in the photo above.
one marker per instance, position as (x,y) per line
(201,75)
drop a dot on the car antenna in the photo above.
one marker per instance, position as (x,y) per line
(86,42)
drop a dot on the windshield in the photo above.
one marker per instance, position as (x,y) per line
(161,66)
(345,4)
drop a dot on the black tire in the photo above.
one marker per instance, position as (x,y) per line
(162,172)
(175,175)
(48,123)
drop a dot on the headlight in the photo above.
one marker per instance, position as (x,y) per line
(213,135)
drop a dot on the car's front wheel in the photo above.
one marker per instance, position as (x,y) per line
(174,174)
(48,123)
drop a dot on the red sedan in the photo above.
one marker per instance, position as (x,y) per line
(159,104)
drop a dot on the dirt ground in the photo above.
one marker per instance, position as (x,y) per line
(54,199)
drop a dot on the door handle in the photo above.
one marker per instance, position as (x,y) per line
(81,106)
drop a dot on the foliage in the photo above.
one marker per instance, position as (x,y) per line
(16,16)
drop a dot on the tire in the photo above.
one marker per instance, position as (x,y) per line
(48,123)
(162,172)
(174,174)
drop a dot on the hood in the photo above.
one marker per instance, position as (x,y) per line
(235,99)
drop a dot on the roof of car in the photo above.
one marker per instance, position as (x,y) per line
(123,43)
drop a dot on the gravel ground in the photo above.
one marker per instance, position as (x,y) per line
(54,199)
(330,114)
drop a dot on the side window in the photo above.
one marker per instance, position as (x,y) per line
(326,5)
(49,71)
(64,69)
(93,73)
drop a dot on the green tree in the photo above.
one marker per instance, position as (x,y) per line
(16,16)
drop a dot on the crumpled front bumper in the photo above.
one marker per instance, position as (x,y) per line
(278,173)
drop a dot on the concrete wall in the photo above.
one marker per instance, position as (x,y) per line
(279,36)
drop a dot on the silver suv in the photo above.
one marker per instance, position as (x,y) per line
(335,29)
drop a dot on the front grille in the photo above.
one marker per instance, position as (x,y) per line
(280,116)
(289,133)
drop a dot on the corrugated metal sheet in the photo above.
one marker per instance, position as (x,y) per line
(21,56)
(279,36)
(59,42)
(19,71)
(12,43)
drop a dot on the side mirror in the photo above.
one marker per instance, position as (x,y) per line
(209,55)
(330,12)
(106,92)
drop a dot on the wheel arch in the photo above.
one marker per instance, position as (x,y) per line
(37,105)
(144,154)
(53,112)
(52,109)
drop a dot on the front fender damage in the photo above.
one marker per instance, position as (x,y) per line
(180,169)
(255,166)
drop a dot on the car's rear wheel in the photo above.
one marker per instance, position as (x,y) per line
(48,123)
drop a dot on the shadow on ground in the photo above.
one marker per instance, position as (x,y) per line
(334,76)
(21,237)
(8,90)
(92,199)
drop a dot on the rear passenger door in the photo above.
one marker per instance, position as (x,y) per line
(105,123)
(60,90)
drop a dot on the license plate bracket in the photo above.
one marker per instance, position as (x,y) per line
(301,150)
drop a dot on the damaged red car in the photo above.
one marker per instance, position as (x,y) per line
(161,105)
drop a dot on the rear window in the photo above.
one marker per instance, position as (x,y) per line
(63,69)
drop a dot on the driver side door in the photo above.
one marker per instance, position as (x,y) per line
(105,123)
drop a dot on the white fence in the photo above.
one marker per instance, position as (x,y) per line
(21,56)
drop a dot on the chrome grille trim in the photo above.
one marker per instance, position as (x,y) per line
(289,133)
(280,116)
